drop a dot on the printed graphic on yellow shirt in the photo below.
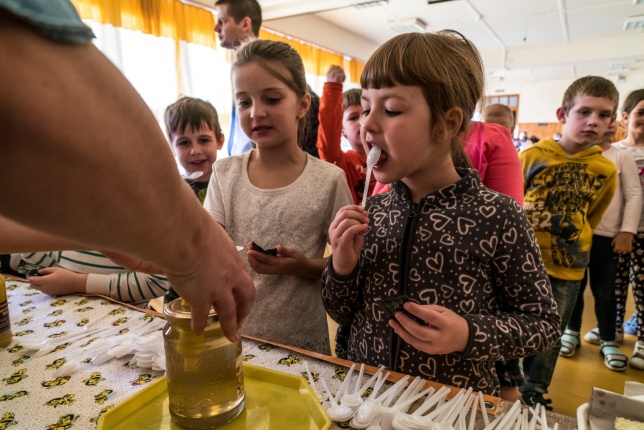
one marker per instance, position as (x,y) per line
(567,188)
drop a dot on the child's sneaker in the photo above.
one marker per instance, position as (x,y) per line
(630,326)
(593,336)
(532,399)
(637,360)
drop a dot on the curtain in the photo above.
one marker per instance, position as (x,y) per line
(168,18)
(182,22)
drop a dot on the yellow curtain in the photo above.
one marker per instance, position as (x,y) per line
(355,69)
(316,60)
(171,18)
(168,18)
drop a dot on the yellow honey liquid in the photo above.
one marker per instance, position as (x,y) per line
(205,376)
(5,324)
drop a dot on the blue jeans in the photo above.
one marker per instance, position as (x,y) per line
(538,369)
(602,271)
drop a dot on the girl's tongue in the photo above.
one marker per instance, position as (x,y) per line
(383,159)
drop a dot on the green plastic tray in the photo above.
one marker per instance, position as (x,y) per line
(274,400)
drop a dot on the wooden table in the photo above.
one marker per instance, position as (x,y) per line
(31,398)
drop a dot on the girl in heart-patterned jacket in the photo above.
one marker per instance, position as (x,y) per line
(462,258)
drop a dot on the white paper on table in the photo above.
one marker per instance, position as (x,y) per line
(605,406)
(633,389)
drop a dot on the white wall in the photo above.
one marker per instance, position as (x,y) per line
(538,101)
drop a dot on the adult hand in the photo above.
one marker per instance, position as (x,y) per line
(55,281)
(445,332)
(623,243)
(346,234)
(213,275)
(335,74)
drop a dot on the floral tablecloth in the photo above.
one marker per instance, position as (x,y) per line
(31,397)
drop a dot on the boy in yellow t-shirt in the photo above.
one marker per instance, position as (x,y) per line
(568,185)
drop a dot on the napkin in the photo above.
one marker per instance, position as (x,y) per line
(605,406)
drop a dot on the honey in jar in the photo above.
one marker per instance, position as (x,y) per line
(204,372)
(5,324)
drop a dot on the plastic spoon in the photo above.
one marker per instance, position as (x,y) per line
(48,347)
(507,419)
(470,425)
(192,176)
(486,420)
(416,420)
(66,369)
(366,412)
(458,406)
(372,158)
(336,412)
(400,407)
(321,396)
(354,400)
(345,383)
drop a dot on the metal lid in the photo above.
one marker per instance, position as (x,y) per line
(179,310)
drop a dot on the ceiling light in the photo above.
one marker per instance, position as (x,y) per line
(623,65)
(412,25)
(369,4)
(638,1)
(634,23)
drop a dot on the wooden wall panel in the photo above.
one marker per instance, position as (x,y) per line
(542,129)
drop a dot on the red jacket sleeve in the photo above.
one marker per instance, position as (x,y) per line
(330,128)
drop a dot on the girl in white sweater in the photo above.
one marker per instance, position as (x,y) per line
(630,266)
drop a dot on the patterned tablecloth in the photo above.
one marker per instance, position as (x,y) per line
(33,397)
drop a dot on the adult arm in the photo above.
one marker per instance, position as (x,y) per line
(18,237)
(72,119)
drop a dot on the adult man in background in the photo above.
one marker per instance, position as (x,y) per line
(237,21)
(499,114)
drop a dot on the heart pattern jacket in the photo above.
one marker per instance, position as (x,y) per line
(464,247)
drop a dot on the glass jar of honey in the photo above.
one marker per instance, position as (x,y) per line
(5,324)
(204,373)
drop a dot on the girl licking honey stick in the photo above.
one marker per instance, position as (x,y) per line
(461,257)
